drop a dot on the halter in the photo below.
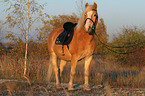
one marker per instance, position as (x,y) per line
(94,27)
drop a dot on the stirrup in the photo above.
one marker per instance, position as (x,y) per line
(62,50)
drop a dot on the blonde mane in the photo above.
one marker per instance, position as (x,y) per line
(80,24)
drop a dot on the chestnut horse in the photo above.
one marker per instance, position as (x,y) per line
(81,46)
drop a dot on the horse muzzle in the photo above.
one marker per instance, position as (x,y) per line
(90,30)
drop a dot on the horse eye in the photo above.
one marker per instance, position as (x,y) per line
(95,14)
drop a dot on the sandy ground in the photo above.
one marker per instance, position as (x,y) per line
(26,88)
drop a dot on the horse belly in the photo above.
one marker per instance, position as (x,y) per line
(58,52)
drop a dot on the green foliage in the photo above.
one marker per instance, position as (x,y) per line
(132,42)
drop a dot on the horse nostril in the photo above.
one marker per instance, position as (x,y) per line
(89,27)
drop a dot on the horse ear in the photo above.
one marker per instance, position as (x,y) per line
(95,5)
(86,5)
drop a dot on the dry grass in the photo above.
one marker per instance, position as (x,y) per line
(26,88)
(12,68)
(101,71)
(10,87)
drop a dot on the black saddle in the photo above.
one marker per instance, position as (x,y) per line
(65,37)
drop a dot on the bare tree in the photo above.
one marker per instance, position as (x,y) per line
(0,31)
(27,31)
(22,14)
(80,6)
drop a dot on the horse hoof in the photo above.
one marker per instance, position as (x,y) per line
(70,89)
(58,88)
(87,89)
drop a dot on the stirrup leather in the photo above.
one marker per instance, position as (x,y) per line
(62,50)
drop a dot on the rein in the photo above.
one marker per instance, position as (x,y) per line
(109,47)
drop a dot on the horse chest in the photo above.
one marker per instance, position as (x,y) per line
(86,49)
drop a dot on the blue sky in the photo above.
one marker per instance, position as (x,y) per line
(116,13)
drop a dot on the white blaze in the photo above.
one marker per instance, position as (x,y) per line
(88,24)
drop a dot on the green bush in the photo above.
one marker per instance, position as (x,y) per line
(132,43)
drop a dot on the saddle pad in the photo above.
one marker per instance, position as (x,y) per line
(64,38)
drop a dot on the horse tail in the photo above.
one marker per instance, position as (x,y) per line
(49,71)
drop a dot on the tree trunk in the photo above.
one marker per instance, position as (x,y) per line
(26,51)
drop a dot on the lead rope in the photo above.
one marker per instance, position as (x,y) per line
(108,47)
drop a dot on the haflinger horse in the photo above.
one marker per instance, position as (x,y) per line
(81,46)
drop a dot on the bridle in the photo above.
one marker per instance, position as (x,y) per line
(94,26)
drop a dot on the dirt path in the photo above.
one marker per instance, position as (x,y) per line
(26,88)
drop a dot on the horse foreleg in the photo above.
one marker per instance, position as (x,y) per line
(62,64)
(72,73)
(55,68)
(86,73)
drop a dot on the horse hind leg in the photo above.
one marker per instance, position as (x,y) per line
(86,72)
(55,68)
(49,72)
(62,64)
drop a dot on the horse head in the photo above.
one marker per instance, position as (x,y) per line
(90,18)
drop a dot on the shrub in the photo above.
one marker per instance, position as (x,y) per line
(132,44)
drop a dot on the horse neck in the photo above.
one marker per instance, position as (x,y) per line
(83,34)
